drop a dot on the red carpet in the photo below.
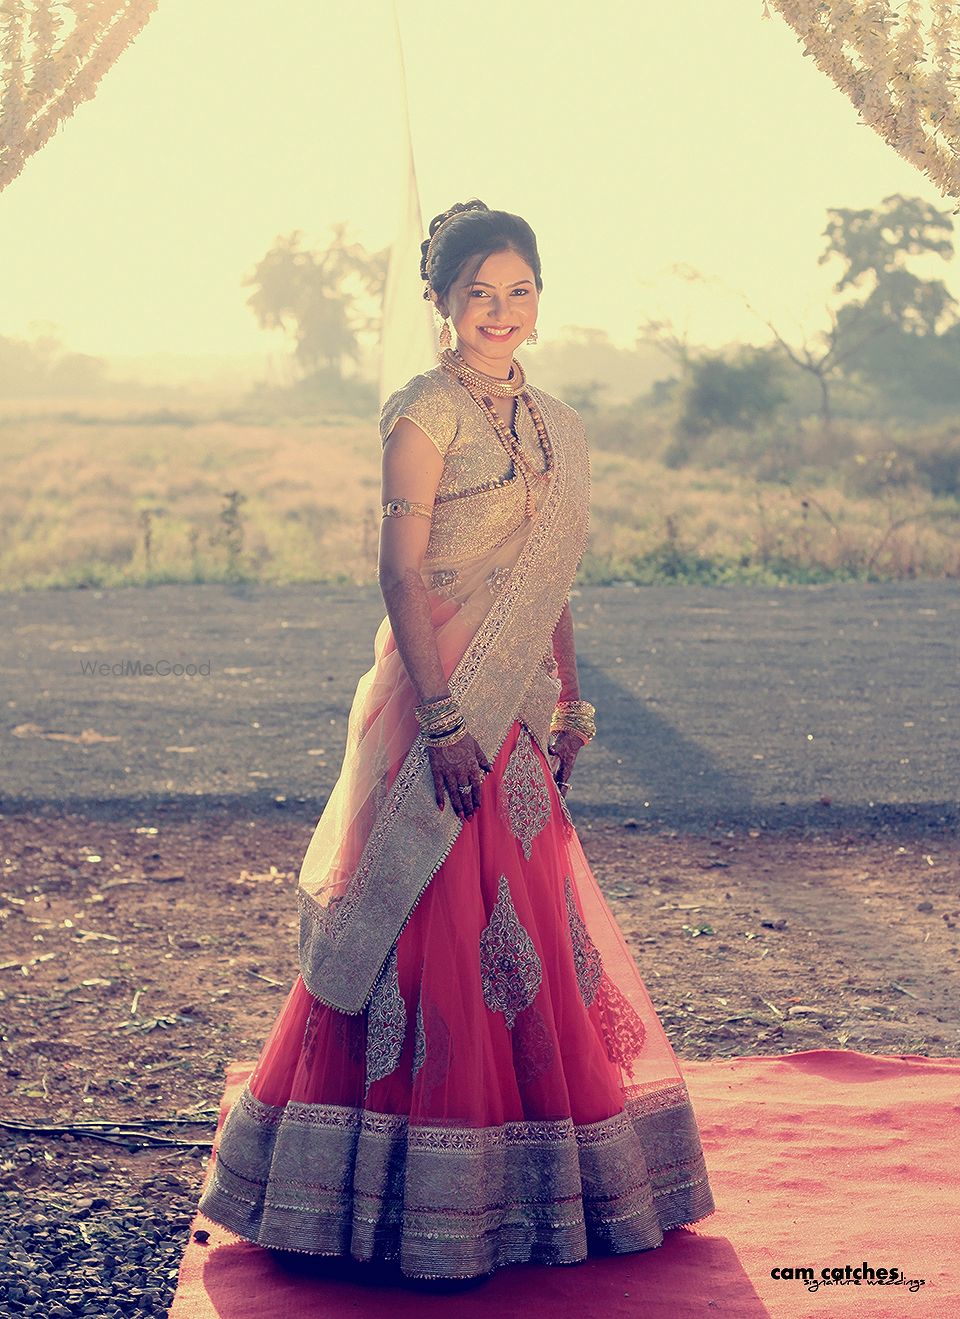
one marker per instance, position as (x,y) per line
(817,1160)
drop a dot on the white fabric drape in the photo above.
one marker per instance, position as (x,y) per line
(899,63)
(53,54)
(408,336)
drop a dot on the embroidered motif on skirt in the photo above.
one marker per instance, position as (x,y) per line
(533,1051)
(510,968)
(524,799)
(309,1046)
(565,812)
(586,956)
(623,1031)
(419,1040)
(438,1048)
(346,1034)
(386,1023)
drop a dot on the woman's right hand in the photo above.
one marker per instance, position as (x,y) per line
(455,765)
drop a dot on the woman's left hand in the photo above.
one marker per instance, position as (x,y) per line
(565,745)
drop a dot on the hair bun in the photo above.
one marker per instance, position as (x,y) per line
(458,208)
(461,248)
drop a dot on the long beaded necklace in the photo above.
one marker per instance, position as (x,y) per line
(477,384)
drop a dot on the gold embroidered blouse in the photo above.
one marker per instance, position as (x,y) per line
(481,496)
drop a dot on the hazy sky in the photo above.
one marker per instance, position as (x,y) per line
(631,136)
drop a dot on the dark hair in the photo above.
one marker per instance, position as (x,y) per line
(477,232)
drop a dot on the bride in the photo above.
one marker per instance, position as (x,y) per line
(468,1071)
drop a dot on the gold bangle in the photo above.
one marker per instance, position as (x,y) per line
(574,717)
(440,702)
(397,508)
(437,716)
(441,739)
(441,726)
(561,717)
(577,708)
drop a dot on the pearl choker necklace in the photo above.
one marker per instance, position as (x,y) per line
(452,362)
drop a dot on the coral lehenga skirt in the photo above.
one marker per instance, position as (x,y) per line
(507,1095)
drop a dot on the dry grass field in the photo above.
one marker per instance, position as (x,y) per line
(105,494)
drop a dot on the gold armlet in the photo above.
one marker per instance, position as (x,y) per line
(398,508)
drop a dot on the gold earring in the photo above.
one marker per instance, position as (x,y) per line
(446,338)
(533,336)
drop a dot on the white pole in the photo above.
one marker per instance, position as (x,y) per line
(408,336)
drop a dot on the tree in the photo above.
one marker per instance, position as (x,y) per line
(44,367)
(838,346)
(737,393)
(587,366)
(585,395)
(327,299)
(874,246)
(672,342)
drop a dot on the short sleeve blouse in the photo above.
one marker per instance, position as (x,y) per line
(429,405)
(481,497)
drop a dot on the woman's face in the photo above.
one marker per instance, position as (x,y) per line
(493,313)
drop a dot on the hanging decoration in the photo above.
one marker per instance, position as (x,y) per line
(53,54)
(899,63)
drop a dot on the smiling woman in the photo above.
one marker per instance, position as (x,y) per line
(468,1072)
(484,274)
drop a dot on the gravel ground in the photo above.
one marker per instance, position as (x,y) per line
(107,1256)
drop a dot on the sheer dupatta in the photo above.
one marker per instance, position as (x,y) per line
(381,837)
